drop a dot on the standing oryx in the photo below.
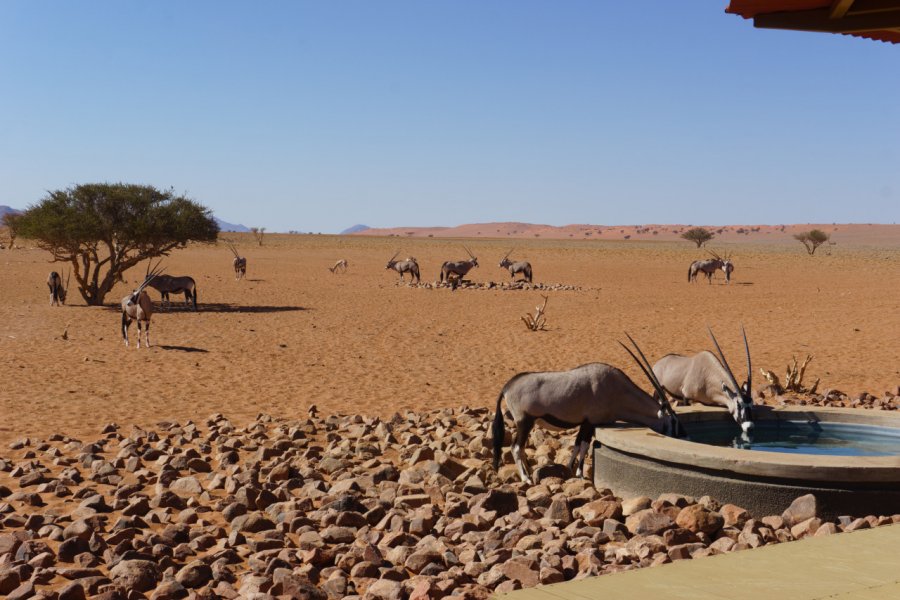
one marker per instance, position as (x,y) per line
(523,267)
(410,265)
(458,268)
(57,289)
(137,306)
(240,262)
(585,397)
(709,267)
(166,284)
(340,265)
(705,379)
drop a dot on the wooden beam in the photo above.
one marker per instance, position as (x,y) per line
(820,20)
(839,8)
(871,6)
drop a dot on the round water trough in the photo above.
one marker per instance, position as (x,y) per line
(635,461)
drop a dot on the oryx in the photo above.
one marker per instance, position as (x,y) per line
(340,265)
(137,306)
(57,289)
(585,397)
(166,284)
(709,267)
(522,266)
(410,265)
(458,268)
(708,380)
(240,262)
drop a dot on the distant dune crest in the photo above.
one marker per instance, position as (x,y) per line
(871,233)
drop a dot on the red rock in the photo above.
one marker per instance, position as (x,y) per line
(648,522)
(734,516)
(699,519)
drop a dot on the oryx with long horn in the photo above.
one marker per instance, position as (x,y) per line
(239,263)
(709,267)
(586,397)
(340,265)
(709,380)
(458,268)
(522,266)
(58,291)
(410,265)
(137,306)
(167,284)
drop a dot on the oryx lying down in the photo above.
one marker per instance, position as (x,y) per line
(523,267)
(459,268)
(57,289)
(585,397)
(410,265)
(137,306)
(703,378)
(166,284)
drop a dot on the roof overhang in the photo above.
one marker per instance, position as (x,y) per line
(872,19)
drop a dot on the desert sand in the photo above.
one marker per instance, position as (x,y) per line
(293,334)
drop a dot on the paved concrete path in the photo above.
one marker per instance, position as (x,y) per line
(863,565)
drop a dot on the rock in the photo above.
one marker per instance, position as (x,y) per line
(338,535)
(523,569)
(648,522)
(801,509)
(72,591)
(633,505)
(195,574)
(699,519)
(252,522)
(421,559)
(186,486)
(806,528)
(552,470)
(140,575)
(502,501)
(384,589)
(9,580)
(559,510)
(734,516)
(596,512)
(23,591)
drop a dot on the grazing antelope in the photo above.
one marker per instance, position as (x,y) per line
(166,284)
(240,263)
(709,267)
(137,306)
(57,289)
(523,267)
(586,397)
(708,380)
(410,265)
(458,268)
(340,265)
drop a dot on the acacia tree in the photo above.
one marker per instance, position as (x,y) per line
(104,229)
(812,239)
(7,221)
(258,233)
(698,235)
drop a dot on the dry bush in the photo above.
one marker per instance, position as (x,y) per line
(793,378)
(538,321)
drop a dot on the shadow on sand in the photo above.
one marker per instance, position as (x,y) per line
(237,308)
(184,348)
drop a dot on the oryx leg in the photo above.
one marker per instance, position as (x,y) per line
(126,322)
(147,332)
(523,430)
(583,444)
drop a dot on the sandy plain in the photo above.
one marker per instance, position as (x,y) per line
(293,334)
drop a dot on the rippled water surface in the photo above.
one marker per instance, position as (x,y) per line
(801,437)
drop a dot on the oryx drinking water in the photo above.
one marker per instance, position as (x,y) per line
(709,267)
(410,265)
(515,268)
(585,397)
(137,306)
(239,263)
(708,380)
(57,289)
(167,284)
(459,268)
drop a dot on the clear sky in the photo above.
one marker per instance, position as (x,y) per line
(314,116)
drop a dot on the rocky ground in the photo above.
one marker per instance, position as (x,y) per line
(466,284)
(340,506)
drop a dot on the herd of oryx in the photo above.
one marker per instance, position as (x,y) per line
(586,397)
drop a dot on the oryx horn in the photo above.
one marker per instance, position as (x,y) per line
(749,369)
(469,252)
(648,371)
(737,388)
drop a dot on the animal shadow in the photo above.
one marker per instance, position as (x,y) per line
(236,308)
(184,348)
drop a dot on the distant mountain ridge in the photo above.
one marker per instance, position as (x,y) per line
(5,210)
(355,229)
(231,227)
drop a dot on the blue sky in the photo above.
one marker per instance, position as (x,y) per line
(314,116)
